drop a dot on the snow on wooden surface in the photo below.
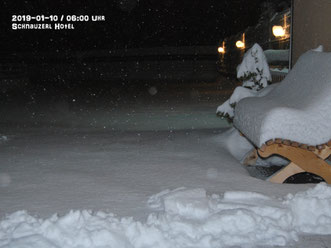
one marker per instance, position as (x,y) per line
(299,108)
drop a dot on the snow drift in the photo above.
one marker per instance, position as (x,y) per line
(181,218)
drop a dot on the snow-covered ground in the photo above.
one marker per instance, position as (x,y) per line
(158,177)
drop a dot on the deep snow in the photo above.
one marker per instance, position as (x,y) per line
(171,186)
(186,218)
(297,109)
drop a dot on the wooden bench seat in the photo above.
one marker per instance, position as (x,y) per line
(294,119)
(303,158)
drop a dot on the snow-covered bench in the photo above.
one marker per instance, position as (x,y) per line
(294,119)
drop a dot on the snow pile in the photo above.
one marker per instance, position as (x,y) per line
(254,73)
(185,218)
(298,109)
(239,147)
(311,210)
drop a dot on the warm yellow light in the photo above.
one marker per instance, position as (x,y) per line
(278,31)
(221,50)
(240,44)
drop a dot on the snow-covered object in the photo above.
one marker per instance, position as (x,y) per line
(237,145)
(243,92)
(240,147)
(227,108)
(320,48)
(254,69)
(299,108)
(254,73)
(184,218)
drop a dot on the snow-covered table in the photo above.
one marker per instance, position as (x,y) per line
(294,119)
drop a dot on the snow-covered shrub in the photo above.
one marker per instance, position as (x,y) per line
(254,70)
(254,73)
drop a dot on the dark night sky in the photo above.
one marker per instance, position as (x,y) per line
(130,23)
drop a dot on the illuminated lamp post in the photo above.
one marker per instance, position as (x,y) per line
(241,43)
(221,49)
(280,31)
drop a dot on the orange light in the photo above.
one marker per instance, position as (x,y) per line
(240,44)
(278,31)
(221,50)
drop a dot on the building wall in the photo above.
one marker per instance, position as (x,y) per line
(311,26)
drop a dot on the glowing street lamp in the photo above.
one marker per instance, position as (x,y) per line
(221,49)
(278,31)
(241,43)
